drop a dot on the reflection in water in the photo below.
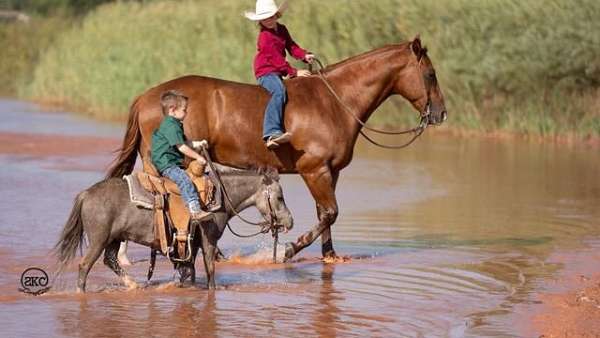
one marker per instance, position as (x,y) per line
(327,320)
(446,238)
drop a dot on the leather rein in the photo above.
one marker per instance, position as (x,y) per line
(417,131)
(272,224)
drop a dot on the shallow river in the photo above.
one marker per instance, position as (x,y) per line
(451,237)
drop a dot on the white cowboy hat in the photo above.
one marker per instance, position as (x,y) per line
(265,9)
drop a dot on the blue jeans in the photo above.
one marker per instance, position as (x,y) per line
(186,187)
(273,122)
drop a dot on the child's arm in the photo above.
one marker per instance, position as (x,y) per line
(267,46)
(295,50)
(189,152)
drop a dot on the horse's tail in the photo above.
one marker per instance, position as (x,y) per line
(125,162)
(71,237)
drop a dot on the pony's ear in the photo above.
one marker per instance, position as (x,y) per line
(273,174)
(266,180)
(416,47)
(269,175)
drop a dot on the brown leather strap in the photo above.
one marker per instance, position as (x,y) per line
(160,230)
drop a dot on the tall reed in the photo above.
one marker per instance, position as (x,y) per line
(530,67)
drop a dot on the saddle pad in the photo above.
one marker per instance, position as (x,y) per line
(137,194)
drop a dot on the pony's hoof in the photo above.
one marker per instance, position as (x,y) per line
(124,261)
(130,284)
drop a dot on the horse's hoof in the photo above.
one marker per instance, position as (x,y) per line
(330,255)
(289,251)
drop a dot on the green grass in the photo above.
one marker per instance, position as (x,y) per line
(519,66)
(22,47)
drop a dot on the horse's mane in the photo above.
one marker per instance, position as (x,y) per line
(365,55)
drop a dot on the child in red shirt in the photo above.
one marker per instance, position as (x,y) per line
(270,66)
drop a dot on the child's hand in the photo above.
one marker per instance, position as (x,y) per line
(200,144)
(201,160)
(303,73)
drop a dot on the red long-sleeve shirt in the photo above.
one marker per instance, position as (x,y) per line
(271,46)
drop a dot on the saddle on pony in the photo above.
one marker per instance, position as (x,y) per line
(171,216)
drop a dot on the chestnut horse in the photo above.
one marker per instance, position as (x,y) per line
(230,115)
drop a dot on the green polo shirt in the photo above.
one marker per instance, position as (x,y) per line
(165,140)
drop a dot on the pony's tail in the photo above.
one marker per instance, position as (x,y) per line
(71,237)
(125,161)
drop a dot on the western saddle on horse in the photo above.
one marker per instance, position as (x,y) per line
(171,216)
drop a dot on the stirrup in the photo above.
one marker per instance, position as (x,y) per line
(188,249)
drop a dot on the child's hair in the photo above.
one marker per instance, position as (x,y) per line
(278,15)
(172,99)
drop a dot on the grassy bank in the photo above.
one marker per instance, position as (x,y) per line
(528,67)
(23,45)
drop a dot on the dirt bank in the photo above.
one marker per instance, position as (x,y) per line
(571,305)
(41,145)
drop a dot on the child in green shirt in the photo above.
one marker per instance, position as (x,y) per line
(169,147)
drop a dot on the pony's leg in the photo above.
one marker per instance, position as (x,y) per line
(111,260)
(209,249)
(321,183)
(123,259)
(186,270)
(91,256)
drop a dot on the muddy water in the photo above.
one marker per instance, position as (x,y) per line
(450,238)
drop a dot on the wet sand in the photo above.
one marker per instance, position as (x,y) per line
(453,238)
(568,305)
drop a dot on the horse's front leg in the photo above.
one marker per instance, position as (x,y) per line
(321,183)
(326,238)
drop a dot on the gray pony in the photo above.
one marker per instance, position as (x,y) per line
(105,214)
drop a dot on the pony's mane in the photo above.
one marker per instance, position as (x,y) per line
(231,171)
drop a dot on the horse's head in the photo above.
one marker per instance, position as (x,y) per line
(418,84)
(270,202)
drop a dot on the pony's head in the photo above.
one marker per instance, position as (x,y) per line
(270,202)
(417,83)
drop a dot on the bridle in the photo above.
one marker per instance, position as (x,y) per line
(271,224)
(425,115)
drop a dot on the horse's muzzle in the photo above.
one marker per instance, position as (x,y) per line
(437,119)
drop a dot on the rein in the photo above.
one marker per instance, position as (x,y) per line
(418,130)
(265,226)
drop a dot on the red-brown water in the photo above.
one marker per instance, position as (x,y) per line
(450,237)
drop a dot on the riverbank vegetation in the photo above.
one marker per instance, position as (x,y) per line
(504,65)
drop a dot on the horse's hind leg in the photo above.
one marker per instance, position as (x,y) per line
(91,256)
(111,260)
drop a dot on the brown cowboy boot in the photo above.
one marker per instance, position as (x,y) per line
(201,216)
(275,141)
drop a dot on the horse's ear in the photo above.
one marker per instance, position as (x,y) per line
(416,47)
